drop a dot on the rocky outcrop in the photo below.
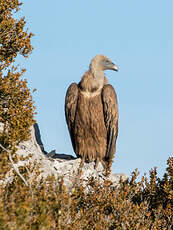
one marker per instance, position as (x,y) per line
(60,165)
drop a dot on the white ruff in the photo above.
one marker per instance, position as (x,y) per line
(91,94)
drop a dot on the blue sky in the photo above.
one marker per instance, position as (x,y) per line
(138,37)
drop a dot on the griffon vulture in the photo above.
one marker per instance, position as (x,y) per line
(91,111)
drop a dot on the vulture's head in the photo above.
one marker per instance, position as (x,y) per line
(101,63)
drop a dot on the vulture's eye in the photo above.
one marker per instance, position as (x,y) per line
(105,62)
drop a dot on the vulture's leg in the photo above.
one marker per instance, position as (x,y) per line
(81,166)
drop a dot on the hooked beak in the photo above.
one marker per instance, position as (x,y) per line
(109,66)
(114,67)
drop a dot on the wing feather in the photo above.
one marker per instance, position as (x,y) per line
(70,110)
(110,110)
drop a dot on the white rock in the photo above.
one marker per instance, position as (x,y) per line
(60,165)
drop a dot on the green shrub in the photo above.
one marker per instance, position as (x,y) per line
(16,105)
(48,204)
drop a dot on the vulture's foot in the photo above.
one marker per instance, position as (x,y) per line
(81,166)
(104,164)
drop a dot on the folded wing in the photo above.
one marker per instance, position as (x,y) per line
(110,110)
(70,110)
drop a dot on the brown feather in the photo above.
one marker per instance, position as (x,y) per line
(90,130)
(91,111)
(110,108)
(70,110)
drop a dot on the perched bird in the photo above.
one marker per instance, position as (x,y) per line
(91,111)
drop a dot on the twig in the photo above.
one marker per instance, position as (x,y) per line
(14,166)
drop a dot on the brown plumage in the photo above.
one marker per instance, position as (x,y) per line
(91,111)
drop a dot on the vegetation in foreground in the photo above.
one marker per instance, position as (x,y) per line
(132,205)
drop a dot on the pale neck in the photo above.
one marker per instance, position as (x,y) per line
(98,75)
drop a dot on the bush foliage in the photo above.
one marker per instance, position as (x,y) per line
(16,105)
(14,39)
(132,205)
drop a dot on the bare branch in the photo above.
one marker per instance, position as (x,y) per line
(14,166)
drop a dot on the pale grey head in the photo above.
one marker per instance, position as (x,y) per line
(97,66)
(101,63)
